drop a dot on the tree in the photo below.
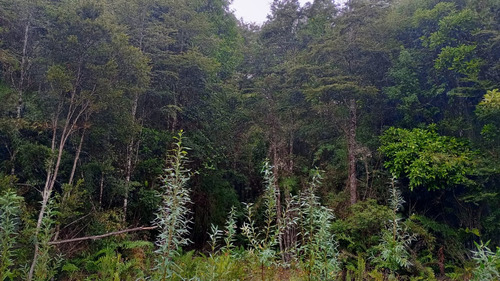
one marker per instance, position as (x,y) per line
(80,81)
(341,74)
(426,158)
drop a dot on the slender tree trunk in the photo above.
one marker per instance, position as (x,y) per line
(174,115)
(290,153)
(101,189)
(70,182)
(127,178)
(368,188)
(47,180)
(77,157)
(73,116)
(129,160)
(20,91)
(351,151)
(277,193)
(24,59)
(47,191)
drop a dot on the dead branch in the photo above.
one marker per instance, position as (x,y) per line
(102,235)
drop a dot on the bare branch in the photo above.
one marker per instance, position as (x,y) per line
(102,235)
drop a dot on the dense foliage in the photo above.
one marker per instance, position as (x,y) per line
(346,142)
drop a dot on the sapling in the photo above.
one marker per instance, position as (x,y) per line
(173,216)
(218,267)
(318,244)
(263,241)
(45,267)
(9,223)
(230,230)
(488,263)
(395,239)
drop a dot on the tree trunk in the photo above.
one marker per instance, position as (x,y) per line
(101,189)
(351,151)
(277,193)
(77,157)
(23,70)
(130,155)
(73,116)
(70,182)
(20,91)
(47,191)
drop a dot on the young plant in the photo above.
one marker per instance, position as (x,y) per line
(173,216)
(45,267)
(317,241)
(263,241)
(488,263)
(230,230)
(395,238)
(9,220)
(221,264)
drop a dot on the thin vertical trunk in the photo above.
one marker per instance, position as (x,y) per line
(275,142)
(101,189)
(47,191)
(130,155)
(77,157)
(53,170)
(127,178)
(71,177)
(290,153)
(20,90)
(174,115)
(367,172)
(23,70)
(351,151)
(277,193)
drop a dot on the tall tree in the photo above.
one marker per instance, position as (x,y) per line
(344,72)
(82,77)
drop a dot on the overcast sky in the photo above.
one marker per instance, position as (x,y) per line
(254,10)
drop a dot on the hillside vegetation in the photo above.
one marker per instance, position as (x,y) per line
(166,140)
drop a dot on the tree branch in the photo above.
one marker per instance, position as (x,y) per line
(102,235)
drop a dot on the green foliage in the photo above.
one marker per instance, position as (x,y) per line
(172,217)
(454,28)
(317,240)
(488,263)
(47,262)
(9,226)
(70,203)
(220,264)
(263,241)
(360,231)
(216,267)
(125,75)
(426,158)
(230,230)
(396,239)
(460,59)
(490,105)
(118,261)
(127,260)
(109,267)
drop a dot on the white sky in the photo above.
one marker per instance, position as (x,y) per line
(254,10)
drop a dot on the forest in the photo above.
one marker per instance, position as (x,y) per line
(169,140)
